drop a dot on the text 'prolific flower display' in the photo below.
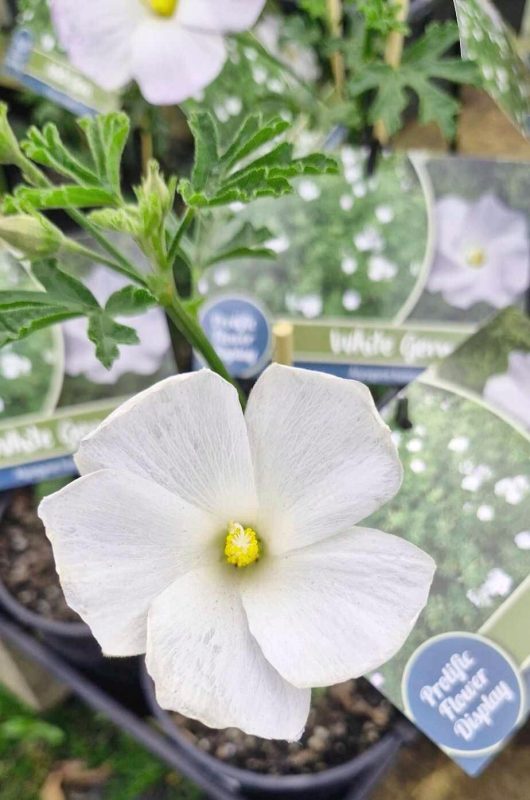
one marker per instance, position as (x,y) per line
(226,546)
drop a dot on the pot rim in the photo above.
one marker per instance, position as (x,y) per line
(32,618)
(337,775)
(35,620)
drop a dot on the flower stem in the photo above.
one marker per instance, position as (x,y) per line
(183,227)
(195,335)
(334,9)
(119,263)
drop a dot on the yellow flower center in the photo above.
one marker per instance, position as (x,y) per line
(476,257)
(242,546)
(165,8)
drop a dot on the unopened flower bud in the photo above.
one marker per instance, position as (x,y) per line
(34,236)
(154,185)
(10,152)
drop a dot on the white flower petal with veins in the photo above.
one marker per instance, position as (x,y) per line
(177,481)
(208,665)
(172,57)
(290,605)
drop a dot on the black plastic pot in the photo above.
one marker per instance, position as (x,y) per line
(72,640)
(350,781)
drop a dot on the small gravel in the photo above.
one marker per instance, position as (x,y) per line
(344,721)
(27,567)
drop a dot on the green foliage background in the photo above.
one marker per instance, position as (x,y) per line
(433,511)
(319,234)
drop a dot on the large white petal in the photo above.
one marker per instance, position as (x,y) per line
(323,457)
(219,15)
(118,542)
(172,63)
(337,609)
(97,36)
(188,434)
(206,665)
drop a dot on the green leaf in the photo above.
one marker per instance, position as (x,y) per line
(122,220)
(437,39)
(265,133)
(18,322)
(421,67)
(130,300)
(68,196)
(64,288)
(23,299)
(204,131)
(107,136)
(241,252)
(106,334)
(46,148)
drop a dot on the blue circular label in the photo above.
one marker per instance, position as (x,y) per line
(240,333)
(464,692)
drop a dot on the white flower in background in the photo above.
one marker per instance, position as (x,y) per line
(459,444)
(414,446)
(510,392)
(485,513)
(348,265)
(346,202)
(513,490)
(522,540)
(353,173)
(476,477)
(351,300)
(483,252)
(301,60)
(308,190)
(12,365)
(279,244)
(227,549)
(377,680)
(384,214)
(222,276)
(369,239)
(359,190)
(309,305)
(418,466)
(144,358)
(172,48)
(497,584)
(381,269)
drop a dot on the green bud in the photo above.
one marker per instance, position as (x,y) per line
(10,152)
(34,236)
(154,188)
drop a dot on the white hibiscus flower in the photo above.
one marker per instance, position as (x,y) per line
(144,358)
(172,48)
(482,252)
(226,546)
(510,391)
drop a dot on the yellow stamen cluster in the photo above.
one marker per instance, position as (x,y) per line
(476,257)
(242,546)
(165,8)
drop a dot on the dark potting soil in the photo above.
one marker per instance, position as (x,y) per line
(344,720)
(27,566)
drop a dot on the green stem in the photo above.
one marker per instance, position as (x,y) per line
(35,176)
(185,222)
(119,262)
(195,335)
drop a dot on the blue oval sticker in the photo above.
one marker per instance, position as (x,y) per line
(239,330)
(464,692)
